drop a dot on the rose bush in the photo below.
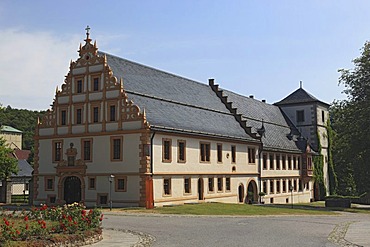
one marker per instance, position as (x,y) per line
(45,222)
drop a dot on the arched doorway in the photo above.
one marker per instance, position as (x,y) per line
(72,190)
(252,195)
(200,189)
(241,193)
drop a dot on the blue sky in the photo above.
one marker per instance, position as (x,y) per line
(260,48)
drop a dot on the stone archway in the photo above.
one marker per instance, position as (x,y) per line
(252,194)
(72,189)
(241,193)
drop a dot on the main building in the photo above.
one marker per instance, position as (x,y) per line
(123,133)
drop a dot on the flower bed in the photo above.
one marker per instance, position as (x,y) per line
(48,226)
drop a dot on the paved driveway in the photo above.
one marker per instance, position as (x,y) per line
(234,231)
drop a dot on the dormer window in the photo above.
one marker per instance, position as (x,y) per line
(300,116)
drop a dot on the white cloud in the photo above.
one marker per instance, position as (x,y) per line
(32,65)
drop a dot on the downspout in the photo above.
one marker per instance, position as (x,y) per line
(260,172)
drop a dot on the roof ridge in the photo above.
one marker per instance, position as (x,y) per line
(155,69)
(177,102)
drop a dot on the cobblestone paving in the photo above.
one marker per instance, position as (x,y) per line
(338,234)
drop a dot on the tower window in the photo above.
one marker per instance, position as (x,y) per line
(323,116)
(300,116)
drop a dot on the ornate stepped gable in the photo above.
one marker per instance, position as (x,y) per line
(89,56)
(238,116)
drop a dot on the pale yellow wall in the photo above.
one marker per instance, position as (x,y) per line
(195,169)
(14,140)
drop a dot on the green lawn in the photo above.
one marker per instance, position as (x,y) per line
(233,209)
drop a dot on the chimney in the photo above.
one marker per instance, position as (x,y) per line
(211,82)
(251,96)
(264,101)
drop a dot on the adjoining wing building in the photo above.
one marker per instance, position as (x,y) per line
(123,134)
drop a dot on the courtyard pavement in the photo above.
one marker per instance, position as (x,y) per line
(346,232)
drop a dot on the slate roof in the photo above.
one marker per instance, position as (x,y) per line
(25,169)
(5,128)
(280,133)
(299,96)
(176,104)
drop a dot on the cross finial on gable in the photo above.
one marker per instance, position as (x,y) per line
(87,31)
(300,84)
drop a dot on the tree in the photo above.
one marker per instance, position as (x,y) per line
(8,164)
(351,124)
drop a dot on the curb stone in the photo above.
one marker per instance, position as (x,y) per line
(145,240)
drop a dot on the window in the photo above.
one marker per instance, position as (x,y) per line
(49,183)
(289,163)
(228,184)
(309,163)
(79,116)
(63,117)
(166,152)
(92,183)
(187,185)
(284,186)
(323,116)
(299,163)
(96,114)
(290,187)
(271,186)
(116,148)
(294,163)
(120,183)
(300,116)
(96,84)
(300,185)
(277,162)
(87,149)
(167,186)
(51,199)
(220,184)
(277,186)
(79,86)
(219,152)
(112,113)
(295,185)
(251,155)
(103,199)
(284,162)
(233,154)
(211,184)
(205,152)
(264,161)
(181,145)
(264,186)
(271,161)
(57,151)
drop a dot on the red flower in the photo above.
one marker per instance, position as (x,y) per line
(6,221)
(26,218)
(70,218)
(18,232)
(83,212)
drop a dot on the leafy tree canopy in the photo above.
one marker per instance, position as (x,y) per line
(8,164)
(22,119)
(351,124)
